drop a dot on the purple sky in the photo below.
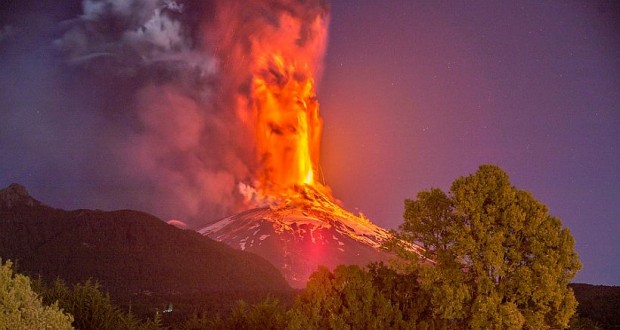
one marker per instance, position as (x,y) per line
(416,94)
(413,95)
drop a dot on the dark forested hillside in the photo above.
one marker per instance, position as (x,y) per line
(599,303)
(130,253)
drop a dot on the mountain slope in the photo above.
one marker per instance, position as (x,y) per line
(301,233)
(129,252)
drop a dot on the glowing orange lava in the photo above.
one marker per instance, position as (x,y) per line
(283,96)
(289,126)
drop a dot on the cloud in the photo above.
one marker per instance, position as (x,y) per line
(177,223)
(138,104)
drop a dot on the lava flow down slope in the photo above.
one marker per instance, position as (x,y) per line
(290,217)
(301,233)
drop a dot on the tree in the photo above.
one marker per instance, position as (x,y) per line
(403,291)
(501,260)
(267,314)
(344,299)
(90,307)
(22,308)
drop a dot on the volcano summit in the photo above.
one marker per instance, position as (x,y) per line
(302,232)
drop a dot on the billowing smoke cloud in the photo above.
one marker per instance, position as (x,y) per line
(140,103)
(181,142)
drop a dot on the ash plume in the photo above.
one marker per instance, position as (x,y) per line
(139,103)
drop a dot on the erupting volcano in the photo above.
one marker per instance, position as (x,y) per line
(292,219)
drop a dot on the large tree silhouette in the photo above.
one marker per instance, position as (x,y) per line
(500,259)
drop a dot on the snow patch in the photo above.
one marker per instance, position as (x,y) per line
(217,226)
(242,243)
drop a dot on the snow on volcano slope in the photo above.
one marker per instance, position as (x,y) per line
(298,238)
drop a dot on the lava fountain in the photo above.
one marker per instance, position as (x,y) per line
(288,123)
(285,61)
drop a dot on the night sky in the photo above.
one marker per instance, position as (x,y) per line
(413,95)
(416,94)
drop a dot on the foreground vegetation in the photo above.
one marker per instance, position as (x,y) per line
(22,308)
(351,295)
(494,259)
(501,261)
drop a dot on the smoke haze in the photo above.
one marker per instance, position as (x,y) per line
(139,104)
